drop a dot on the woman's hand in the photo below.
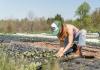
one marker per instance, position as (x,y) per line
(60,54)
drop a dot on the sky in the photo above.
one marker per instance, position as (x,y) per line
(42,8)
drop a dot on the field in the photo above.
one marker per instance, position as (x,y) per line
(17,55)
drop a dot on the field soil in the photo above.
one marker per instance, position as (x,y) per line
(91,62)
(79,63)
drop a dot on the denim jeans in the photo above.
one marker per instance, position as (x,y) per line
(80,39)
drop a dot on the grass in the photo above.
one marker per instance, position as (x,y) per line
(11,64)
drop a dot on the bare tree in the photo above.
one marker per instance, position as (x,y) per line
(30,15)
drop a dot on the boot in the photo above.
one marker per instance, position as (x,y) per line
(78,51)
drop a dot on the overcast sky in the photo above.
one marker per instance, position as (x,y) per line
(39,8)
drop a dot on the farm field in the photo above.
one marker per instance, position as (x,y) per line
(32,55)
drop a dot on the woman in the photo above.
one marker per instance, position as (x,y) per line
(67,35)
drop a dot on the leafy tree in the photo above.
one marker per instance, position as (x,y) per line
(83,10)
(96,19)
(84,19)
(96,16)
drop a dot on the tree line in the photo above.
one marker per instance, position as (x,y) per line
(85,19)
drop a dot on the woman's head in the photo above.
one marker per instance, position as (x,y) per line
(55,27)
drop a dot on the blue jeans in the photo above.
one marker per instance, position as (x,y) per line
(80,39)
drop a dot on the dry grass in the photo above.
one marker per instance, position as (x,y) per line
(23,26)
